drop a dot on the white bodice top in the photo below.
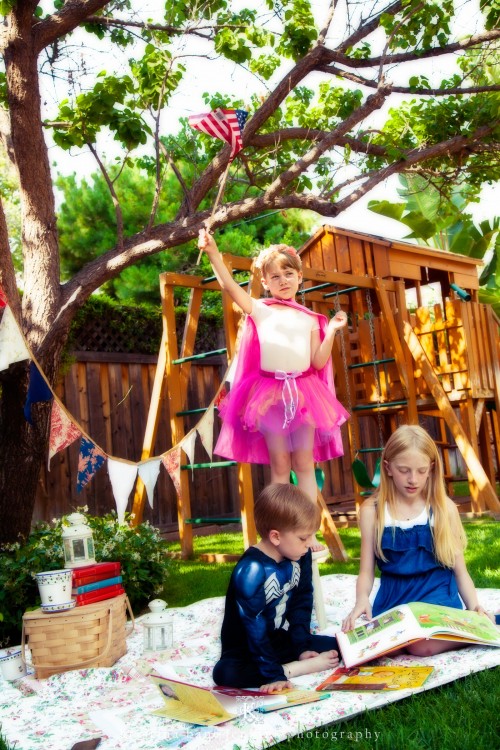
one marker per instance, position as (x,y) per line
(284,336)
(420,520)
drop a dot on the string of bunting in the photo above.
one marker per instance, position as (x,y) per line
(65,429)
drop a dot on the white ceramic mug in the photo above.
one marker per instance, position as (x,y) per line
(55,586)
(12,665)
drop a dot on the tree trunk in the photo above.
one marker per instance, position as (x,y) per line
(22,448)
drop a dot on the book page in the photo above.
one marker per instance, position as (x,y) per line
(376,678)
(384,633)
(462,624)
(190,703)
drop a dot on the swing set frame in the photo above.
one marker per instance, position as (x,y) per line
(392,366)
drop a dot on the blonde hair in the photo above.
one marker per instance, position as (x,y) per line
(447,532)
(284,507)
(284,255)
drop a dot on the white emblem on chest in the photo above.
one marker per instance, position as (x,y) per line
(275,592)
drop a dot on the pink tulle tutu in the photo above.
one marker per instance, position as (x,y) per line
(255,408)
(260,404)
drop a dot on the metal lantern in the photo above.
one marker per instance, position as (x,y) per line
(78,542)
(158,632)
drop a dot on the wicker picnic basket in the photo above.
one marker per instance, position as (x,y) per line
(93,635)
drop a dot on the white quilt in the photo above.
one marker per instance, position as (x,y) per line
(116,703)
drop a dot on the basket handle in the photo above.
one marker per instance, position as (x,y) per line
(130,625)
(77,665)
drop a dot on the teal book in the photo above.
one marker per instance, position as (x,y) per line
(97,585)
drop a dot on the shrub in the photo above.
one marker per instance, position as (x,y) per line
(140,550)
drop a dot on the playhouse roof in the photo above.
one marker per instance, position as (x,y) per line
(348,250)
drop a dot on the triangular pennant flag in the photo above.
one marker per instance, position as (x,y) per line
(12,345)
(172,462)
(90,460)
(3,298)
(206,431)
(122,476)
(148,472)
(188,445)
(38,390)
(63,431)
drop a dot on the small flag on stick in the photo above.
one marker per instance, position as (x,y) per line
(225,124)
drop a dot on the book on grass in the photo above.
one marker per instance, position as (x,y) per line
(95,572)
(97,596)
(96,585)
(407,623)
(212,706)
(376,678)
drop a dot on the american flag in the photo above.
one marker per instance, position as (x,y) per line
(225,124)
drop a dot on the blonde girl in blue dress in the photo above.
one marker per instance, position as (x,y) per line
(412,530)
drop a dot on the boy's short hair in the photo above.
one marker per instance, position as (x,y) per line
(284,507)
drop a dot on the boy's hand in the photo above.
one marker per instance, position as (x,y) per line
(276,687)
(206,242)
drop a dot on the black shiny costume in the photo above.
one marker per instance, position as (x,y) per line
(267,620)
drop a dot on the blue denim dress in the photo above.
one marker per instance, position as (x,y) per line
(412,573)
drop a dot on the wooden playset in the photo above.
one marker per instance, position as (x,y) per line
(400,360)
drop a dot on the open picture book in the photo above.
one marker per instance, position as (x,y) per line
(407,623)
(376,678)
(212,706)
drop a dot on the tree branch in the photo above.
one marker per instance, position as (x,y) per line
(360,80)
(71,15)
(310,134)
(114,197)
(373,102)
(212,173)
(173,30)
(399,57)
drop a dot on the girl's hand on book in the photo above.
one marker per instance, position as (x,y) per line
(363,608)
(482,611)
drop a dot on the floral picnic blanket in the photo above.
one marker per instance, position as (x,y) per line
(116,704)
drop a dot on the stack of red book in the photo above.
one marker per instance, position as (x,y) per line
(93,583)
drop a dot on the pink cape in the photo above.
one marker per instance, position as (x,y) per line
(255,401)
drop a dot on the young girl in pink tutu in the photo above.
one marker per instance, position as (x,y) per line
(282,409)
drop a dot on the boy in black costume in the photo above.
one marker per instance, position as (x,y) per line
(266,636)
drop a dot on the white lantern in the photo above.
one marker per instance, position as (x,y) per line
(78,542)
(158,631)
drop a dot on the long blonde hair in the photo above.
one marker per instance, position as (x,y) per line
(448,535)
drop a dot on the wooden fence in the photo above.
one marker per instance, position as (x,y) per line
(108,395)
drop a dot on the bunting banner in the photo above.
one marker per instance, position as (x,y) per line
(172,462)
(148,472)
(122,477)
(38,390)
(206,430)
(63,431)
(90,460)
(12,345)
(188,445)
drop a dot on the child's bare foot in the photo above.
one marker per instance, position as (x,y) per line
(311,664)
(308,655)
